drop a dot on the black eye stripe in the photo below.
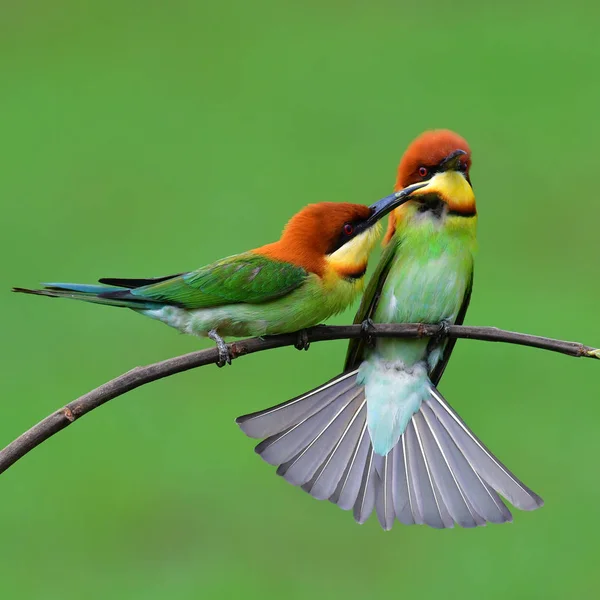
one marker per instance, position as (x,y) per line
(433,170)
(344,236)
(463,167)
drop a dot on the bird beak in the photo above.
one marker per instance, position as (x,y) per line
(385,205)
(451,162)
(450,185)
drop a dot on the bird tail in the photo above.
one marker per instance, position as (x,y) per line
(438,473)
(97,294)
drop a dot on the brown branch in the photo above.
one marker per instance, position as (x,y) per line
(139,376)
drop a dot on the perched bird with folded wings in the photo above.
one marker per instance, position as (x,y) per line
(380,435)
(313,271)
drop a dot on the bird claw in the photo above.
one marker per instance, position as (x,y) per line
(442,332)
(302,342)
(224,354)
(366,329)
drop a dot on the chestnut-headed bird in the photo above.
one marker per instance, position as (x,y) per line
(314,271)
(380,435)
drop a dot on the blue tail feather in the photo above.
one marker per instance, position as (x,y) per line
(97,294)
(83,288)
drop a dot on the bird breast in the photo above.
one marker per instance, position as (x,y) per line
(422,289)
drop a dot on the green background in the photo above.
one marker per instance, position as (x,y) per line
(145,138)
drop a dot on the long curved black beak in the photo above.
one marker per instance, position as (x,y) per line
(385,205)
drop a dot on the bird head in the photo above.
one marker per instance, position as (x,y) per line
(441,159)
(337,235)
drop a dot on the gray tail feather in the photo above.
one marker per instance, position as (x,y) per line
(438,474)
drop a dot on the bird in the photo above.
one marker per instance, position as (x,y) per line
(313,271)
(380,436)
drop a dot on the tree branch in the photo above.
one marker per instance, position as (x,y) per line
(139,376)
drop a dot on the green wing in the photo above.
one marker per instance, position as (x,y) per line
(368,304)
(247,277)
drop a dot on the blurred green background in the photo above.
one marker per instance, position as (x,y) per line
(145,138)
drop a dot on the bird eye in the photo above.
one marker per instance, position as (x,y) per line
(422,171)
(348,229)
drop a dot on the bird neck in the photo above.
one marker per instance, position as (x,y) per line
(350,260)
(296,254)
(411,221)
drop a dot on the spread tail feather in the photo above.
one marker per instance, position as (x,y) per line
(438,473)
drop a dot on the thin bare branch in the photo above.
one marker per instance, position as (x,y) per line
(139,376)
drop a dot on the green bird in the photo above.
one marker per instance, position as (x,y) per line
(313,271)
(380,435)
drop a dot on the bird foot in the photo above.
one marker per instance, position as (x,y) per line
(366,329)
(594,353)
(224,354)
(442,332)
(302,342)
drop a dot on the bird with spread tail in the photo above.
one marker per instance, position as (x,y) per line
(380,436)
(314,271)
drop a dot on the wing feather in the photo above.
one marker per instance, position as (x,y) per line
(248,277)
(368,304)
